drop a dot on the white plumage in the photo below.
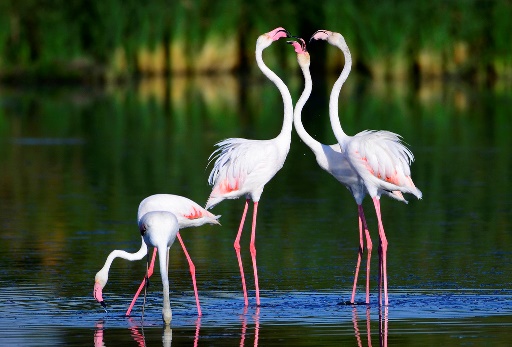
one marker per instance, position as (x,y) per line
(186,212)
(370,162)
(242,167)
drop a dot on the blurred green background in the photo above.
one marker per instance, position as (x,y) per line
(111,40)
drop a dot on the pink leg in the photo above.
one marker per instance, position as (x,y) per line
(383,251)
(192,272)
(237,249)
(253,253)
(359,254)
(149,274)
(369,247)
(363,226)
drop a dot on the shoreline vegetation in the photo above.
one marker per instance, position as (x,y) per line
(113,41)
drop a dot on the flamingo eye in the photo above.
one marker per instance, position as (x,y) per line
(143,229)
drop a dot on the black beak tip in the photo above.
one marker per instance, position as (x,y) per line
(286,32)
(102,303)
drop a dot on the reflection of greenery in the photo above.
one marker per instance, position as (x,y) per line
(110,39)
(79,192)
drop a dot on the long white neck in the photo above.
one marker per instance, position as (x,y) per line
(335,93)
(163,255)
(286,130)
(297,111)
(125,255)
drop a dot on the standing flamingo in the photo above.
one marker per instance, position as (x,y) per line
(188,214)
(243,166)
(330,159)
(373,162)
(158,229)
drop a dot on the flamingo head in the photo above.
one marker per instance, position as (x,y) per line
(300,49)
(267,39)
(329,36)
(99,283)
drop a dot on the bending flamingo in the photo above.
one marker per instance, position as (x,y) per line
(188,214)
(158,229)
(370,162)
(243,167)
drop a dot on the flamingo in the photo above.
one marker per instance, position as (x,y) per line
(158,229)
(188,214)
(330,159)
(370,162)
(243,167)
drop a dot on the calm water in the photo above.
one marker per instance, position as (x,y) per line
(75,163)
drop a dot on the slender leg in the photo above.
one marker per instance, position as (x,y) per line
(363,226)
(380,273)
(383,250)
(144,282)
(359,255)
(369,247)
(192,272)
(253,253)
(237,250)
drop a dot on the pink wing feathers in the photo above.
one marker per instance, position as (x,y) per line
(242,167)
(382,157)
(188,212)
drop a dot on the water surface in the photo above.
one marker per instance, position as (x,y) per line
(76,163)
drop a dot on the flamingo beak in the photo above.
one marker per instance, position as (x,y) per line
(287,33)
(284,31)
(98,295)
(316,32)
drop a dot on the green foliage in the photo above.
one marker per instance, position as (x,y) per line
(385,35)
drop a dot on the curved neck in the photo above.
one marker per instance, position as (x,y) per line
(125,255)
(163,257)
(286,130)
(297,111)
(335,93)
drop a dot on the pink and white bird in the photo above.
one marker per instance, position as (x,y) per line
(243,167)
(188,214)
(370,162)
(158,229)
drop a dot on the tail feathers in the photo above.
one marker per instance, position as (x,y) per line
(393,188)
(397,195)
(212,202)
(215,219)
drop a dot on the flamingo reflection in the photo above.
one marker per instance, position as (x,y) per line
(383,326)
(98,334)
(137,334)
(256,318)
